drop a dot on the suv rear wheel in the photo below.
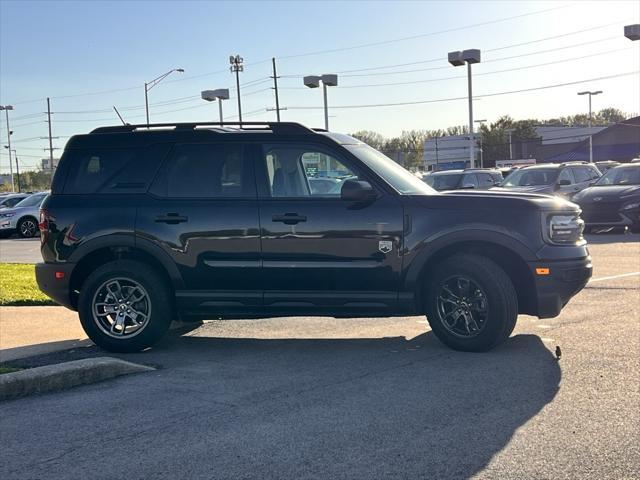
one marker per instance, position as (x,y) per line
(471,303)
(124,306)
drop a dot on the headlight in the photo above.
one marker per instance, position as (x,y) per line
(7,215)
(565,228)
(629,206)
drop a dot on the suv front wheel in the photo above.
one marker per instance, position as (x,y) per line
(124,306)
(471,303)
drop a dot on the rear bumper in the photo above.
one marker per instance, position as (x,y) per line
(565,279)
(56,288)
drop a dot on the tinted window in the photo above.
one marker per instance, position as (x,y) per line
(469,181)
(302,171)
(12,201)
(582,174)
(205,171)
(443,182)
(621,176)
(110,170)
(566,175)
(531,177)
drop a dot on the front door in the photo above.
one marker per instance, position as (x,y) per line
(202,211)
(321,253)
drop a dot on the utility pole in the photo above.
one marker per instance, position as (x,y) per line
(275,88)
(436,153)
(237,67)
(15,154)
(590,93)
(6,109)
(50,137)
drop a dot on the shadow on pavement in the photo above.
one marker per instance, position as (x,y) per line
(604,238)
(292,408)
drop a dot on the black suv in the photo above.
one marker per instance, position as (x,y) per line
(192,221)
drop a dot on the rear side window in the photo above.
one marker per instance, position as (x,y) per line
(205,171)
(111,170)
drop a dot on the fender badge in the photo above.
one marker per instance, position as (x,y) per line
(597,199)
(385,246)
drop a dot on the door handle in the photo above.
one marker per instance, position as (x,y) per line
(289,218)
(171,218)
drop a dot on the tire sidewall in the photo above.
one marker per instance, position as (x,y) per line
(498,314)
(159,296)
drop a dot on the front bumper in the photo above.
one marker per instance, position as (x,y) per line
(56,288)
(565,278)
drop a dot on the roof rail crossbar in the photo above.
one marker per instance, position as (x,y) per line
(276,127)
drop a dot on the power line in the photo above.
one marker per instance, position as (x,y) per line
(418,102)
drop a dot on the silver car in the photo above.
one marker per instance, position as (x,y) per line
(23,217)
(10,200)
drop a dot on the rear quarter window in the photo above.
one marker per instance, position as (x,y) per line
(111,170)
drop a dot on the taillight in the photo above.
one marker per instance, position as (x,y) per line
(43,225)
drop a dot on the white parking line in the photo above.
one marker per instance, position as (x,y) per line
(601,279)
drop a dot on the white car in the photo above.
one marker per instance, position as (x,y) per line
(23,217)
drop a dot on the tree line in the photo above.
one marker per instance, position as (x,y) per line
(408,147)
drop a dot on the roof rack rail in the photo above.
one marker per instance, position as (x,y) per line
(575,162)
(275,127)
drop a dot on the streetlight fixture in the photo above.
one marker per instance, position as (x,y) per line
(149,85)
(457,59)
(597,92)
(6,109)
(15,155)
(237,67)
(632,32)
(213,95)
(481,122)
(328,80)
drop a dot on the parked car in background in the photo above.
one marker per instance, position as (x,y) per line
(319,186)
(506,171)
(564,179)
(605,165)
(614,200)
(476,178)
(10,200)
(23,217)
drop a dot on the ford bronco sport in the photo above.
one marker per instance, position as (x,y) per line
(191,221)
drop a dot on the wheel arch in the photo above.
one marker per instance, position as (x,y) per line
(508,253)
(119,247)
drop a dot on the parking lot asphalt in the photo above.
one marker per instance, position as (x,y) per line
(359,398)
(20,250)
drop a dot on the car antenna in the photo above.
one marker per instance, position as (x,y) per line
(120,116)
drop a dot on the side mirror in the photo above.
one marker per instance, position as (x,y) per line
(564,182)
(357,191)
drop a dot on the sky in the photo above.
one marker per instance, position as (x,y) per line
(89,56)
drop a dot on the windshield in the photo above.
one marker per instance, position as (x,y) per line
(531,178)
(620,176)
(443,182)
(400,179)
(31,201)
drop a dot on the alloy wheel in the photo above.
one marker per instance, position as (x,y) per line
(121,308)
(462,306)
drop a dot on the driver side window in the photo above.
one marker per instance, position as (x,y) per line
(566,175)
(304,172)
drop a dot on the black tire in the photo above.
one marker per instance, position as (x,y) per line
(159,300)
(498,294)
(27,227)
(5,234)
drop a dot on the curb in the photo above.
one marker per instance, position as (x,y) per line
(61,376)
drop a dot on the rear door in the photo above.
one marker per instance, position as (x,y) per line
(202,211)
(321,253)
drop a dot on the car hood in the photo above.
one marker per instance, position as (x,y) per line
(532,189)
(18,210)
(496,200)
(609,193)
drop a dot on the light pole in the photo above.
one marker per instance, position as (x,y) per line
(509,132)
(597,92)
(15,155)
(481,122)
(328,80)
(237,67)
(213,95)
(6,109)
(457,59)
(149,85)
